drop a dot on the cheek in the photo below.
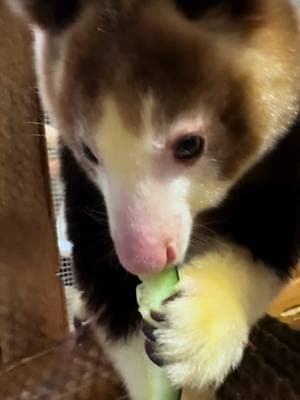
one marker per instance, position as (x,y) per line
(101,182)
(205,195)
(207,189)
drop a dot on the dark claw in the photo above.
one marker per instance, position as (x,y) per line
(148,331)
(152,354)
(172,297)
(77,323)
(157,316)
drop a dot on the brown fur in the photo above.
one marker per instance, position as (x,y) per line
(185,65)
(237,62)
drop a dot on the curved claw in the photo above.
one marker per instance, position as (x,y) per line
(157,316)
(151,352)
(77,323)
(173,297)
(148,330)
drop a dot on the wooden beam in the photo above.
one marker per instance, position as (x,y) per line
(32,304)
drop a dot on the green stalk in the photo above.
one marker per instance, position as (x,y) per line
(150,294)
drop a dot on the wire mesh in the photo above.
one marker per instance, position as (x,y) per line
(65,272)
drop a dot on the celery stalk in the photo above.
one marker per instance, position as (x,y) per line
(150,294)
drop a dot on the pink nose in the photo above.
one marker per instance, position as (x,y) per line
(146,257)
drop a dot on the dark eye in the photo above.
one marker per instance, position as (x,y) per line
(89,154)
(189,148)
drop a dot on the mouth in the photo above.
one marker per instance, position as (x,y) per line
(146,256)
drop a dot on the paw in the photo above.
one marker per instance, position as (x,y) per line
(198,336)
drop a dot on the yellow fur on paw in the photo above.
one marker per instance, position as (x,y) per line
(205,333)
(205,330)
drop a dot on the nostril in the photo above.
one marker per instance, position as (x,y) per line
(171,254)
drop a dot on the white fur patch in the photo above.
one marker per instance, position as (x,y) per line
(40,49)
(129,359)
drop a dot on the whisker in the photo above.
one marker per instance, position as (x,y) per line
(35,123)
(101,219)
(36,134)
(97,212)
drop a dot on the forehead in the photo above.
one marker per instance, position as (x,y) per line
(150,51)
(147,49)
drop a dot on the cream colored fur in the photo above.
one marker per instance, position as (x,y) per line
(130,154)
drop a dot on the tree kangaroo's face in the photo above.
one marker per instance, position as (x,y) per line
(165,111)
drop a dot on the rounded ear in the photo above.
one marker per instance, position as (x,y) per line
(52,15)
